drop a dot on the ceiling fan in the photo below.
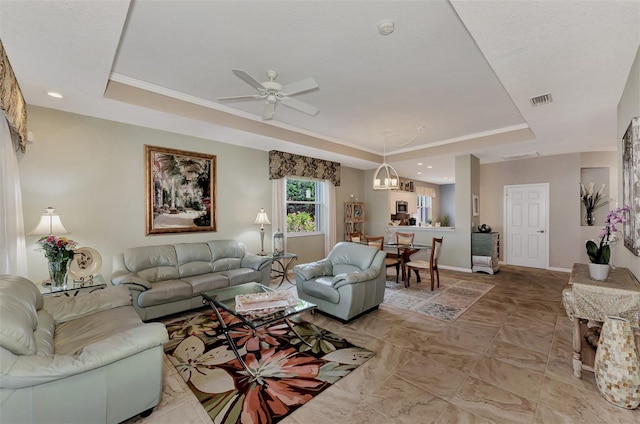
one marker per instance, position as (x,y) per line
(274,92)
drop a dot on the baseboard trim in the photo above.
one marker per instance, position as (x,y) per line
(455,268)
(559,269)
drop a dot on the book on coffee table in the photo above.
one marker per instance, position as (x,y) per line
(264,303)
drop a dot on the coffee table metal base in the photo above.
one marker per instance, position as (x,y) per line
(225,329)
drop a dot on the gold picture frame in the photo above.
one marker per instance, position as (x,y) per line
(181,191)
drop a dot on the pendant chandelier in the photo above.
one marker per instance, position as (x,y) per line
(386,177)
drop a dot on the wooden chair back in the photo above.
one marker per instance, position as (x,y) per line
(405,238)
(375,241)
(436,247)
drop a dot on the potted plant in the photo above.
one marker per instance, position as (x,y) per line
(591,201)
(600,253)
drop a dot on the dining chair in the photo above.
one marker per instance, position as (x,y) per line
(354,237)
(402,238)
(379,243)
(431,265)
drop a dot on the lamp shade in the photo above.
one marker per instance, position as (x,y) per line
(262,218)
(50,223)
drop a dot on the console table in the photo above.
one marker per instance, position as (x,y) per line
(594,300)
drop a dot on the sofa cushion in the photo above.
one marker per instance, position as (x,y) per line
(322,289)
(242,275)
(206,282)
(73,336)
(356,255)
(226,254)
(18,315)
(164,292)
(153,263)
(193,259)
(44,333)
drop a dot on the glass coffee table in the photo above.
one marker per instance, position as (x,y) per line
(225,299)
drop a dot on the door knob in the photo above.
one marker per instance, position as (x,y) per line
(541,231)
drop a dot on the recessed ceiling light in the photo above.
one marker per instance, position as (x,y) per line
(54,94)
(420,163)
(419,173)
(429,167)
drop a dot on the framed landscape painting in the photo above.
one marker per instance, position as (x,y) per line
(181,191)
(631,184)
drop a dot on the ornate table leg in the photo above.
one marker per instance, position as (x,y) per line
(577,349)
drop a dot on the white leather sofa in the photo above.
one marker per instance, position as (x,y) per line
(84,359)
(167,279)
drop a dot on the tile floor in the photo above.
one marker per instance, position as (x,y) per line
(505,360)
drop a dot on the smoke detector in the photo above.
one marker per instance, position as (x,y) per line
(386,27)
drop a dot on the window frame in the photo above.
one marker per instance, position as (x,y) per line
(319,202)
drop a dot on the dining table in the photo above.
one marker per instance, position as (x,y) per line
(405,251)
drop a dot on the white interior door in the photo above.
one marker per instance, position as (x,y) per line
(526,238)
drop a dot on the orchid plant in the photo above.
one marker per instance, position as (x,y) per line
(600,253)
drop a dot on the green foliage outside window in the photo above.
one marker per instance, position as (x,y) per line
(302,206)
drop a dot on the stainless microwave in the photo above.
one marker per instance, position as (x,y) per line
(402,206)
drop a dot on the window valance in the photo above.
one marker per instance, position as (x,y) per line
(283,164)
(425,191)
(11,100)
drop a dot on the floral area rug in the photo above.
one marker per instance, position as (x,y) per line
(445,303)
(288,372)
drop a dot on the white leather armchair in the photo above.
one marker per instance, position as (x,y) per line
(349,282)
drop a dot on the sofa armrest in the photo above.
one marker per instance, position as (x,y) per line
(354,277)
(26,370)
(253,261)
(313,269)
(130,280)
(67,308)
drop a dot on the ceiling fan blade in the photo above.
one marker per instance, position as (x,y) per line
(268,111)
(249,97)
(299,87)
(249,79)
(298,105)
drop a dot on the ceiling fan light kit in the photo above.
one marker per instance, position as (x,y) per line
(273,92)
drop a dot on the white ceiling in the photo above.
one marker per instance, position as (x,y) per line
(464,70)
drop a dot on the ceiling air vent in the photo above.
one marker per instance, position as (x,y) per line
(541,100)
(520,156)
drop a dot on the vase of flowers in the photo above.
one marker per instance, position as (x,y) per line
(59,252)
(600,253)
(591,201)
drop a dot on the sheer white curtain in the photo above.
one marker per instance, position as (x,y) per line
(278,213)
(330,203)
(13,250)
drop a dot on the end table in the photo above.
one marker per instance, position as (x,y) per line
(283,259)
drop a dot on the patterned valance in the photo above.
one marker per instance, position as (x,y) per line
(283,164)
(11,100)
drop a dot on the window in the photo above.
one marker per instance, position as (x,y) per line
(424,208)
(304,206)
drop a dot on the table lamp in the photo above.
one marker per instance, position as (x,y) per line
(262,219)
(49,224)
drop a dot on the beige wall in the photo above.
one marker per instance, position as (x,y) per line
(562,172)
(92,171)
(628,107)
